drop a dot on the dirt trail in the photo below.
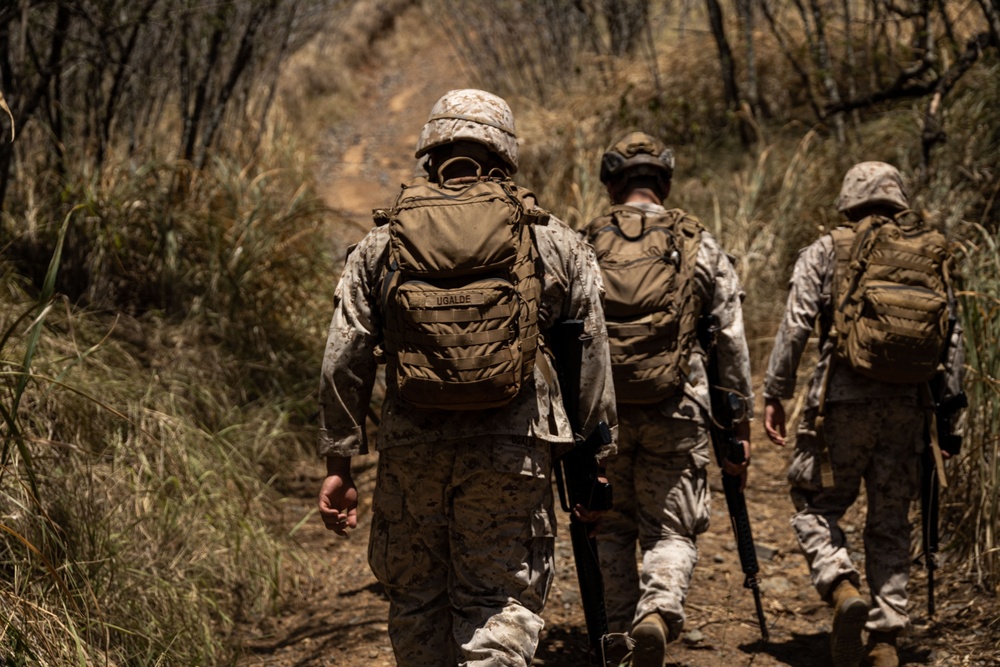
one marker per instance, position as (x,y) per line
(338,614)
(370,156)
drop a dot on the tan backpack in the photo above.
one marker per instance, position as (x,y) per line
(647,261)
(460,293)
(891,297)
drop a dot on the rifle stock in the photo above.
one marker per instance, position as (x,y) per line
(725,406)
(579,483)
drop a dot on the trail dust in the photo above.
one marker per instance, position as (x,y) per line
(337,615)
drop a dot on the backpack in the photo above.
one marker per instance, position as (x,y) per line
(460,293)
(647,261)
(891,297)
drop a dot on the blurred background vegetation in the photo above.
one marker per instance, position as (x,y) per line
(166,260)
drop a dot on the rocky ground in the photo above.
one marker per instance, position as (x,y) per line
(337,614)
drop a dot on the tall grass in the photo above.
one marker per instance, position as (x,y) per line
(973,496)
(962,197)
(141,430)
(156,374)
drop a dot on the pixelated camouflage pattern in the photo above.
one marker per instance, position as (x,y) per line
(571,288)
(879,444)
(473,115)
(871,184)
(661,505)
(659,474)
(462,540)
(810,299)
(873,432)
(477,481)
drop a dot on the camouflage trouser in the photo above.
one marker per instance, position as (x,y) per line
(880,443)
(661,502)
(462,541)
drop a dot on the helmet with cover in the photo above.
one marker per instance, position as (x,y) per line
(637,154)
(871,186)
(471,115)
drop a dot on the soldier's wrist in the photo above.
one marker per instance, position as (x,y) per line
(338,465)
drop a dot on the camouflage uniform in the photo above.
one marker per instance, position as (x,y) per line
(462,534)
(874,431)
(661,496)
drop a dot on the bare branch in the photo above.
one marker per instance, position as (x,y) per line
(933,133)
(991,9)
(783,43)
(904,88)
(821,52)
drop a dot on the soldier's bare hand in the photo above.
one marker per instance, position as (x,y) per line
(586,515)
(590,517)
(739,469)
(338,503)
(774,421)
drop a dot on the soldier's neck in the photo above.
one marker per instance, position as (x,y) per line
(642,196)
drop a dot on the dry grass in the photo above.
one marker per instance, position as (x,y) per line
(141,533)
(141,431)
(160,380)
(973,500)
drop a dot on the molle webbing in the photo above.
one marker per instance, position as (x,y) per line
(890,296)
(647,262)
(460,294)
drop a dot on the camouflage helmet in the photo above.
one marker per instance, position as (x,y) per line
(637,152)
(872,184)
(472,115)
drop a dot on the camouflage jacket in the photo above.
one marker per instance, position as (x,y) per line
(571,289)
(721,294)
(810,298)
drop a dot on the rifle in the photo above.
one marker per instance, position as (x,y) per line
(726,405)
(577,477)
(947,441)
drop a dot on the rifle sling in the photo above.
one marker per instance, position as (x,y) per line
(826,463)
(932,432)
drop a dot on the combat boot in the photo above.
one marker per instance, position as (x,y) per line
(651,635)
(850,613)
(881,650)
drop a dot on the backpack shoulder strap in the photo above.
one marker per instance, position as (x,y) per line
(690,229)
(852,251)
(533,213)
(686,223)
(843,240)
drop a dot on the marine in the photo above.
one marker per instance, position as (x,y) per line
(663,273)
(462,533)
(856,428)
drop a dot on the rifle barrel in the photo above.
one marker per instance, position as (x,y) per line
(577,479)
(727,446)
